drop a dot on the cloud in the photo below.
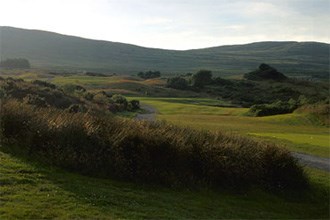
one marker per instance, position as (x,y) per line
(174,24)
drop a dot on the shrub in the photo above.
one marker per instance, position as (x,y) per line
(148,152)
(101,98)
(275,108)
(202,78)
(149,74)
(88,96)
(133,105)
(177,83)
(35,100)
(72,88)
(121,100)
(75,108)
(44,84)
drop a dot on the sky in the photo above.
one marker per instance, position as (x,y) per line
(174,24)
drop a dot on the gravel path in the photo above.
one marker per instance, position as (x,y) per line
(313,161)
(149,116)
(308,160)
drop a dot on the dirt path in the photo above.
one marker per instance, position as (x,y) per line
(308,160)
(313,161)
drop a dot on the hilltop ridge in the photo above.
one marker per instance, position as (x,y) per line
(56,51)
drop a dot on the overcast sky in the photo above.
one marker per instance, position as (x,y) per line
(174,24)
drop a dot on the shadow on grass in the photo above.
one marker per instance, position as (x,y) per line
(105,198)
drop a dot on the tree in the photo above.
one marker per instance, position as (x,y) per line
(202,78)
(120,100)
(177,83)
(149,74)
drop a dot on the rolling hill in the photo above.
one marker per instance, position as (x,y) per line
(61,52)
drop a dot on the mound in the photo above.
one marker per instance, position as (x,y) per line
(265,72)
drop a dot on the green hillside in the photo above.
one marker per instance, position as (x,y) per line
(52,50)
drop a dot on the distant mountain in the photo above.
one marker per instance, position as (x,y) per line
(51,50)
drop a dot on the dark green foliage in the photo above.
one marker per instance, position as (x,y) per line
(246,93)
(222,82)
(120,100)
(75,108)
(35,100)
(96,74)
(37,92)
(202,78)
(15,63)
(148,152)
(265,72)
(44,84)
(275,108)
(2,93)
(72,88)
(88,96)
(149,74)
(177,83)
(133,105)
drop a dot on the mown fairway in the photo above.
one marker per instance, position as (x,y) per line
(298,132)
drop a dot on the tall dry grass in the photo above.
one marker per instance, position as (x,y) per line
(147,152)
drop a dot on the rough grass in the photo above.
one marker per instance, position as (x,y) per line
(148,152)
(31,190)
(133,86)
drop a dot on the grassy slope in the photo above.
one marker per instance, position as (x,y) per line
(46,49)
(293,130)
(30,190)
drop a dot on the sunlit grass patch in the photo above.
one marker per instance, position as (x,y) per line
(313,139)
(195,106)
(316,144)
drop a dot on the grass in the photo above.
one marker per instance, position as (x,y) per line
(192,106)
(31,191)
(305,143)
(141,151)
(294,130)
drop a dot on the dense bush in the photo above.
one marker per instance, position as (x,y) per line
(202,78)
(75,108)
(275,108)
(72,88)
(147,152)
(133,105)
(35,100)
(96,74)
(149,74)
(177,83)
(44,84)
